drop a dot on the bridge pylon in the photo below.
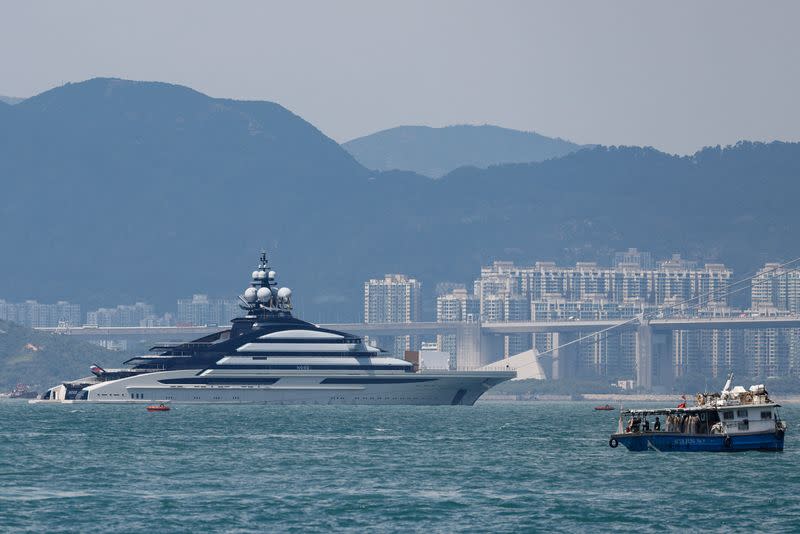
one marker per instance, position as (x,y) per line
(644,354)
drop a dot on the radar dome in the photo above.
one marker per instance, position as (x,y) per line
(255,275)
(272,275)
(250,294)
(284,293)
(264,294)
(261,275)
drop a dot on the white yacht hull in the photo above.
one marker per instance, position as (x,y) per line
(424,388)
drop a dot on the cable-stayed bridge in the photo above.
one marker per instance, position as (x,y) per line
(479,343)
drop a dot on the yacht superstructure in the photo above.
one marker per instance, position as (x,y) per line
(269,356)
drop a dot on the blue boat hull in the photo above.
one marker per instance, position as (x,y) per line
(666,441)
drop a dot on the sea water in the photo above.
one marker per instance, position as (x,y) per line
(492,467)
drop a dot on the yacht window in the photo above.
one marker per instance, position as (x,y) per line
(741,413)
(744,425)
(766,415)
(727,415)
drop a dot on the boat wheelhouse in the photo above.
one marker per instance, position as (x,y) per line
(733,420)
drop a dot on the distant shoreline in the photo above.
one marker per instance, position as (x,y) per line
(614,398)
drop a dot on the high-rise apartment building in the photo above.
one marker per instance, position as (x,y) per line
(633,258)
(775,290)
(503,295)
(201,310)
(776,287)
(586,291)
(673,281)
(724,351)
(139,314)
(395,298)
(601,355)
(455,307)
(37,315)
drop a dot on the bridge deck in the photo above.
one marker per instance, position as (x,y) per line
(514,327)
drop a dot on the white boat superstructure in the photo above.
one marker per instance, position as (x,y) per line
(269,356)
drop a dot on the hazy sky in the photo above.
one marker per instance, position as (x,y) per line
(674,75)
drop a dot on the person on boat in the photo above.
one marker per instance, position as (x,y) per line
(694,424)
(657,425)
(646,425)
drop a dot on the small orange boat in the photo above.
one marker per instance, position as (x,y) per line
(158,408)
(604,408)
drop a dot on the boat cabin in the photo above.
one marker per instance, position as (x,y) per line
(700,420)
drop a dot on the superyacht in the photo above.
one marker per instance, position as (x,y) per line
(269,356)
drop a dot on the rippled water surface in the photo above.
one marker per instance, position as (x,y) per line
(491,467)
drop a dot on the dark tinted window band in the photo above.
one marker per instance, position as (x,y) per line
(368,380)
(209,380)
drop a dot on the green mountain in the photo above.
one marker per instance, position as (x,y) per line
(437,151)
(44,360)
(116,191)
(147,190)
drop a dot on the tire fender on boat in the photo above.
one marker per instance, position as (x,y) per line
(727,442)
(613,443)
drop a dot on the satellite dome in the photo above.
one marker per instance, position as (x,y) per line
(284,293)
(264,294)
(250,294)
(255,275)
(261,275)
(272,275)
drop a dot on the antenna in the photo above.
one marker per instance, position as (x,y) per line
(262,297)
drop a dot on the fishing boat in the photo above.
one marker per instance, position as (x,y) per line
(735,419)
(158,408)
(604,408)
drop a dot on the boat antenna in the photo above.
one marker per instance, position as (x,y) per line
(728,383)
